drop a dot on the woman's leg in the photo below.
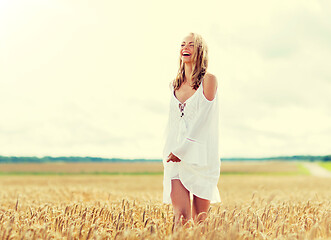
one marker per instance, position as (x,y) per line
(181,202)
(200,209)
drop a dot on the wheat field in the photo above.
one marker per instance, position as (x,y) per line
(138,167)
(130,207)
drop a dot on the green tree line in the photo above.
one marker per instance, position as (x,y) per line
(47,159)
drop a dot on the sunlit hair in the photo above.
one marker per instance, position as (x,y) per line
(199,64)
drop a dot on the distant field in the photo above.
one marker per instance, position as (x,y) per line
(262,167)
(130,207)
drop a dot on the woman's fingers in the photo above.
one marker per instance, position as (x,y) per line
(173,158)
(170,159)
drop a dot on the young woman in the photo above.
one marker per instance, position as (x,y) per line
(191,156)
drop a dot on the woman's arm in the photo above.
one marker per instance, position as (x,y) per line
(210,87)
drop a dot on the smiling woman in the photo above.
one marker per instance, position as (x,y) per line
(191,156)
(195,54)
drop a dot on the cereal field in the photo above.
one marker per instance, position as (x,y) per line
(136,167)
(254,206)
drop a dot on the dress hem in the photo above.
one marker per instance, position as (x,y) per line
(191,193)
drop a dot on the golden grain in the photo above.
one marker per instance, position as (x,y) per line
(130,207)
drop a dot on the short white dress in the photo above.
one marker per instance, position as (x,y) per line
(192,134)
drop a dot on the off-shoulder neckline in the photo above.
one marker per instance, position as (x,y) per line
(187,100)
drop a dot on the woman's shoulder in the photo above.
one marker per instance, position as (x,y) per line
(210,78)
(209,85)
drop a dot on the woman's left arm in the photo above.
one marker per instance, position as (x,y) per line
(210,87)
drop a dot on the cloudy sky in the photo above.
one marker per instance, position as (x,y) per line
(90,78)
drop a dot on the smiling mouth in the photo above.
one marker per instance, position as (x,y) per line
(186,54)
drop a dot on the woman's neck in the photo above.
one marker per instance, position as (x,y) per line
(188,71)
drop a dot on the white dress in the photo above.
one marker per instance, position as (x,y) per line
(192,134)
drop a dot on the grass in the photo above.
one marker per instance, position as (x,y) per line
(79,173)
(326,165)
(96,169)
(266,173)
(302,171)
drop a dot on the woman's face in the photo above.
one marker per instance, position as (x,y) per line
(187,49)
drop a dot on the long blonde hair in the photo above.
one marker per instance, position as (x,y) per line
(199,64)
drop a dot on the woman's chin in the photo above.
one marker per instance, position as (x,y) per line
(186,60)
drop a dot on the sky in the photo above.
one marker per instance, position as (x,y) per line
(90,78)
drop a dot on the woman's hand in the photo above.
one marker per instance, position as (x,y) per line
(172,157)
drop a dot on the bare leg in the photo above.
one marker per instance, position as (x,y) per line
(200,209)
(180,198)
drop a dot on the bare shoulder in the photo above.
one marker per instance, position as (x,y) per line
(210,86)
